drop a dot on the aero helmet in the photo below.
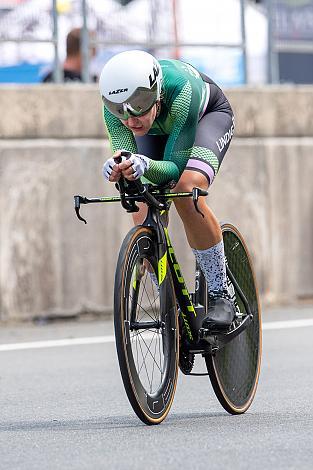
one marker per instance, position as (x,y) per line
(130,83)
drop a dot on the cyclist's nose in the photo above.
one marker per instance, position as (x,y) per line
(132,121)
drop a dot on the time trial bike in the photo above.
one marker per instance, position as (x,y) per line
(158,322)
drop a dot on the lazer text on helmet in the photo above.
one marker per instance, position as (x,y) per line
(119,90)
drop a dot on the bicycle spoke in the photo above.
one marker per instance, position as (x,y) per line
(155,366)
(153,287)
(144,290)
(160,337)
(160,355)
(143,309)
(140,301)
(136,338)
(145,368)
(137,354)
(154,363)
(149,351)
(144,363)
(143,331)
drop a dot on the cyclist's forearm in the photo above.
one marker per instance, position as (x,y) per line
(160,172)
(119,136)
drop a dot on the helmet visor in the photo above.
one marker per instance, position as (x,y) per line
(139,103)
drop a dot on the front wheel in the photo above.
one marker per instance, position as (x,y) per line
(146,327)
(234,370)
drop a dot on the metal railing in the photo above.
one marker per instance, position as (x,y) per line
(281,38)
(87,42)
(151,45)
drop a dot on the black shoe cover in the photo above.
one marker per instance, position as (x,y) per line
(221,313)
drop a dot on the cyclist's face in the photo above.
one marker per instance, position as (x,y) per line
(141,125)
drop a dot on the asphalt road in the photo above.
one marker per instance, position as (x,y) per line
(63,405)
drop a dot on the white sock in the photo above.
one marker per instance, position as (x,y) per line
(212,264)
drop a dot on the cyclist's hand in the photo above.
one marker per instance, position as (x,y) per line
(134,167)
(111,170)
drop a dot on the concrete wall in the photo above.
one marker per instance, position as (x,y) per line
(53,146)
(74,111)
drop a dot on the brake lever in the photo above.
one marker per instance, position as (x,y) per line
(79,200)
(196,192)
(121,186)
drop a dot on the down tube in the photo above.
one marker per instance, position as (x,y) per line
(187,310)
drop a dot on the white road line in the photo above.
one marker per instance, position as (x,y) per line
(57,343)
(275,325)
(284,324)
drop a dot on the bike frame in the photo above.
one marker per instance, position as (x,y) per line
(191,310)
(166,255)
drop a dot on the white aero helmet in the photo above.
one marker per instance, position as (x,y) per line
(130,83)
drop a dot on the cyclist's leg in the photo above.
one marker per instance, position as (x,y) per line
(201,169)
(204,233)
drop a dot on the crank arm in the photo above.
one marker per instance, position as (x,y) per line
(219,340)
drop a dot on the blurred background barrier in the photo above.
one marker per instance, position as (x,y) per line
(74,110)
(52,147)
(234,41)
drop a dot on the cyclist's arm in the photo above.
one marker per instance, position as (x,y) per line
(185,112)
(119,136)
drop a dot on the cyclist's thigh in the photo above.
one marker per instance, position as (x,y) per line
(213,136)
(152,146)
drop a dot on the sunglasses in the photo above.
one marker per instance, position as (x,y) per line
(138,104)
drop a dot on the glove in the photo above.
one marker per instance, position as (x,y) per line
(108,167)
(140,164)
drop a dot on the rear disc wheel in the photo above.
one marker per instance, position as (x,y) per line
(234,369)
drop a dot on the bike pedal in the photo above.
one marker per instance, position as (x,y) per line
(204,332)
(239,315)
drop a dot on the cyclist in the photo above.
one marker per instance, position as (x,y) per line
(177,124)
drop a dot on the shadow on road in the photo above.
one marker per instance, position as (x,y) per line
(111,422)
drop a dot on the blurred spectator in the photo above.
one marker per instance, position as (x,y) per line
(72,66)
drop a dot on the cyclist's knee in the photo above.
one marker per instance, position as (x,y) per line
(190,179)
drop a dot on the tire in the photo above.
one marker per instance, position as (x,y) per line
(234,370)
(148,355)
